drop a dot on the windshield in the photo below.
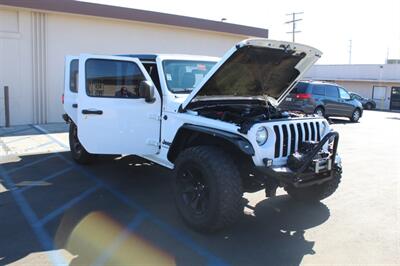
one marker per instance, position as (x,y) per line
(182,76)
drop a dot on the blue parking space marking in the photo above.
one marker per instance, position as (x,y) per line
(16,131)
(139,218)
(41,130)
(31,163)
(15,140)
(60,210)
(45,241)
(39,146)
(174,233)
(47,178)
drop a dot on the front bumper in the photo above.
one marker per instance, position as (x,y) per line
(313,170)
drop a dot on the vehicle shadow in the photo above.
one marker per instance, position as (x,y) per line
(275,234)
(131,218)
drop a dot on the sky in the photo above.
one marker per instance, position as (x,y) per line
(372,26)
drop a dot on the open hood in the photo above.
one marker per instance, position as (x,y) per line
(258,68)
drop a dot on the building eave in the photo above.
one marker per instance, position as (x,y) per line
(115,12)
(356,80)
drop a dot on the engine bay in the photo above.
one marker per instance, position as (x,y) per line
(242,114)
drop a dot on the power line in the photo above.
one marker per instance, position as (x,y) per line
(293,22)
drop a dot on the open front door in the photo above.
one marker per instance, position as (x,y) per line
(112,117)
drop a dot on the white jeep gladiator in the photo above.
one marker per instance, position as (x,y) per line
(214,121)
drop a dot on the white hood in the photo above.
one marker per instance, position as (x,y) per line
(256,68)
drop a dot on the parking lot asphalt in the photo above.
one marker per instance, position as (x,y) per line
(120,211)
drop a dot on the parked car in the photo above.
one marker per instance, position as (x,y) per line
(324,99)
(213,121)
(367,103)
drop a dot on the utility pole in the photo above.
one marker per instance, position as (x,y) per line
(387,56)
(350,47)
(293,22)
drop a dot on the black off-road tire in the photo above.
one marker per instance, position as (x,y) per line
(78,152)
(223,203)
(316,193)
(355,117)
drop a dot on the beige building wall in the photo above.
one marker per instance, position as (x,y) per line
(33,46)
(16,65)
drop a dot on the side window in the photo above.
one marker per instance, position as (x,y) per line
(318,90)
(331,91)
(151,68)
(73,75)
(111,78)
(344,94)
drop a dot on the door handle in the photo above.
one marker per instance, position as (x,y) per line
(75,105)
(92,112)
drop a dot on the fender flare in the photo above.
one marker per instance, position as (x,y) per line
(235,139)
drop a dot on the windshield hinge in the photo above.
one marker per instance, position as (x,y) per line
(153,142)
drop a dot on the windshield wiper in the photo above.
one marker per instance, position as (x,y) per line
(184,91)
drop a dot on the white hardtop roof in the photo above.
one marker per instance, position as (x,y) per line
(187,57)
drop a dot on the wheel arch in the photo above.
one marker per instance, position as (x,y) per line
(359,109)
(193,135)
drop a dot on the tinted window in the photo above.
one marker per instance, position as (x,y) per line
(356,96)
(318,90)
(300,87)
(331,91)
(344,94)
(73,75)
(111,78)
(151,68)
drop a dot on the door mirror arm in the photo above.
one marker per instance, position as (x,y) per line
(146,91)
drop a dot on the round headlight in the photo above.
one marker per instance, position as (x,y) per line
(261,136)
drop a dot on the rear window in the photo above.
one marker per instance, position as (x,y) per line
(300,87)
(318,90)
(73,75)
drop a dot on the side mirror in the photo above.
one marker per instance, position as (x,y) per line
(146,91)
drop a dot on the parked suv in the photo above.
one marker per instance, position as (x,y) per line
(367,103)
(213,121)
(324,99)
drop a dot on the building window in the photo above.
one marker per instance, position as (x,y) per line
(111,78)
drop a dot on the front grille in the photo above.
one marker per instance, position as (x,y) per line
(288,136)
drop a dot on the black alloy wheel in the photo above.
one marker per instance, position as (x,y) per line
(193,190)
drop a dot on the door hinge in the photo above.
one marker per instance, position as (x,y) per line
(153,142)
(155,117)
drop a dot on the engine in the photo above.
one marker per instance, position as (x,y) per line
(243,115)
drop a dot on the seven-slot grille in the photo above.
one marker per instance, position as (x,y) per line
(288,136)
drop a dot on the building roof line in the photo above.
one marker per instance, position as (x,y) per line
(355,80)
(116,12)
